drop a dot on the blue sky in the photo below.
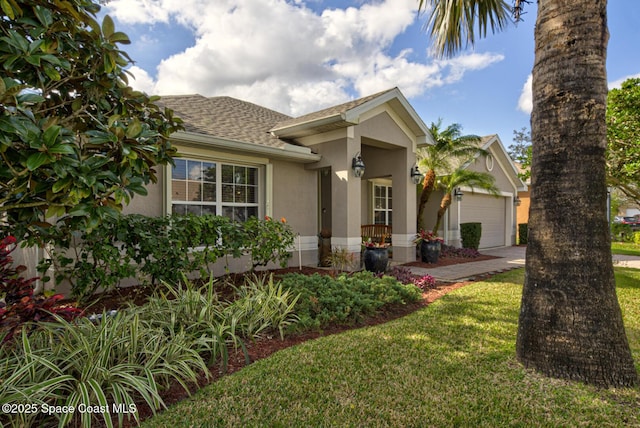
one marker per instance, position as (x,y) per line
(299,56)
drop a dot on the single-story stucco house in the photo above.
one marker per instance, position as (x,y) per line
(239,159)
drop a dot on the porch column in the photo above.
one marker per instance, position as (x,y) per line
(404,206)
(346,192)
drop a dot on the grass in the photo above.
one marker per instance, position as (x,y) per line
(450,364)
(625,248)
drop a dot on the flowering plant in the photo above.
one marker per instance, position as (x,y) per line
(425,282)
(370,244)
(427,236)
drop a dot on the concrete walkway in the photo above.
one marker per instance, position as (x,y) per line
(509,258)
(626,261)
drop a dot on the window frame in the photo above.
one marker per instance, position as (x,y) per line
(263,182)
(388,185)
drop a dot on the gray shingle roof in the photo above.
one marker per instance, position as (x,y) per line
(328,112)
(226,117)
(232,119)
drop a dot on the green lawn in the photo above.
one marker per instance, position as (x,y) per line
(625,248)
(450,364)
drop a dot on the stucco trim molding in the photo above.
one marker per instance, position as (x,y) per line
(352,244)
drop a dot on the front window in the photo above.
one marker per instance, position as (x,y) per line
(382,204)
(202,187)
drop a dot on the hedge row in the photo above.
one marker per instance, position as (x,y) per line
(153,249)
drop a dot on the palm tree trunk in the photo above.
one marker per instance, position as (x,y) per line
(570,321)
(428,184)
(445,203)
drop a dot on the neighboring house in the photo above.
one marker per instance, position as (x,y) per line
(629,210)
(497,214)
(239,159)
(525,201)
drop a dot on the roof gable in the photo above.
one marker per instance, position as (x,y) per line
(350,113)
(493,144)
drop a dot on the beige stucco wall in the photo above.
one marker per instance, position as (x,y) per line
(502,181)
(295,191)
(335,154)
(151,204)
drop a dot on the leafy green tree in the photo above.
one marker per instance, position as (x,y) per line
(76,142)
(623,137)
(570,322)
(520,152)
(458,178)
(442,157)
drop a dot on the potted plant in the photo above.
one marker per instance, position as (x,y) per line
(429,246)
(375,255)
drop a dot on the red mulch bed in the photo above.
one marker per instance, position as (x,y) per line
(264,347)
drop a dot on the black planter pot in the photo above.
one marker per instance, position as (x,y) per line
(376,259)
(429,251)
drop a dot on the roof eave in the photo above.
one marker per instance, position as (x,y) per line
(288,151)
(307,128)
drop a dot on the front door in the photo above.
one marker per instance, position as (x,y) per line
(324,216)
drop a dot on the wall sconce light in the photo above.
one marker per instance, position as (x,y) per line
(458,194)
(416,175)
(357,165)
(517,201)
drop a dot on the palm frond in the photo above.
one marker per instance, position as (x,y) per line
(453,24)
(467,178)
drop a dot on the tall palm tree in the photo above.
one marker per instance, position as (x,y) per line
(458,178)
(570,322)
(442,157)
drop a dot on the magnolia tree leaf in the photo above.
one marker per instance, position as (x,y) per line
(69,142)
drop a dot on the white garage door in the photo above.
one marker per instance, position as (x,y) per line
(488,210)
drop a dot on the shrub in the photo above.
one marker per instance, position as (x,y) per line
(523,233)
(401,274)
(425,282)
(157,249)
(470,234)
(20,304)
(450,251)
(636,238)
(268,240)
(346,299)
(341,259)
(622,232)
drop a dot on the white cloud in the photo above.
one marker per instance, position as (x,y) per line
(138,12)
(525,102)
(141,81)
(288,57)
(616,84)
(459,65)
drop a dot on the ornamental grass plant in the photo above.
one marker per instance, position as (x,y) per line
(121,359)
